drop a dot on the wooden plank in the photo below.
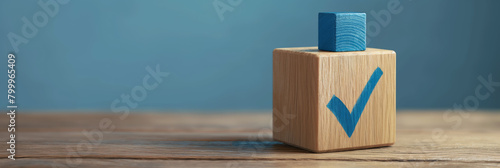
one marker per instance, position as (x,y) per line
(473,143)
(130,163)
(221,122)
(413,145)
(142,122)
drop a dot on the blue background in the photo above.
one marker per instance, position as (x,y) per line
(93,51)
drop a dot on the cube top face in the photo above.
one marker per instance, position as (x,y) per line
(338,31)
(318,95)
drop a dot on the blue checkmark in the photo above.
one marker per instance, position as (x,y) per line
(349,120)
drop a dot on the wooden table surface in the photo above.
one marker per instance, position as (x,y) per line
(424,138)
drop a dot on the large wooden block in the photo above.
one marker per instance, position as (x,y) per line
(332,101)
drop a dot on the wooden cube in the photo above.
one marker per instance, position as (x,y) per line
(332,101)
(341,31)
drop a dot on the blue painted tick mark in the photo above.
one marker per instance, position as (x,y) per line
(349,120)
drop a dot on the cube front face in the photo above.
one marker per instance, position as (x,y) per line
(305,80)
(347,77)
(341,31)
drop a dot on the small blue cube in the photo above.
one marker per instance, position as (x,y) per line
(341,31)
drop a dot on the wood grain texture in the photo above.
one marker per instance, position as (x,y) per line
(295,98)
(305,80)
(132,163)
(243,140)
(341,31)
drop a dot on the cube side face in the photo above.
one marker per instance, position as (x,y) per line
(295,90)
(368,78)
(326,32)
(342,31)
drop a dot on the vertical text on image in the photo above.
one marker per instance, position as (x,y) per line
(11,107)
